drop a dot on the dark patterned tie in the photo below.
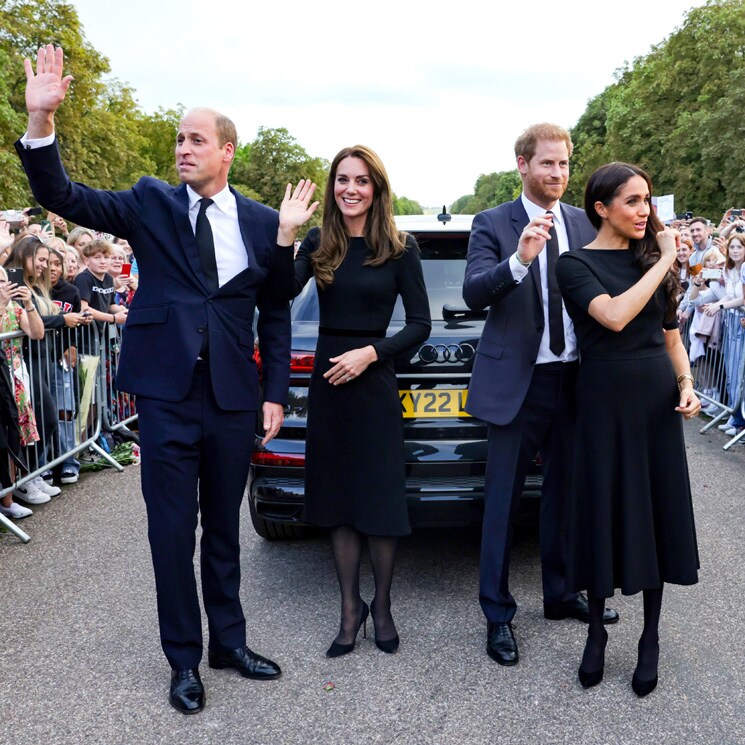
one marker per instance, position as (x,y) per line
(555,315)
(206,245)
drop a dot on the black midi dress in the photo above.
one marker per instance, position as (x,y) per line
(631,523)
(354,461)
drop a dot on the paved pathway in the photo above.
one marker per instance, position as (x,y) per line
(80,660)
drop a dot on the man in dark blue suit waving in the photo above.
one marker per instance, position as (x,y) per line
(524,373)
(208,258)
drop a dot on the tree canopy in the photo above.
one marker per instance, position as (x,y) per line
(677,112)
(491,189)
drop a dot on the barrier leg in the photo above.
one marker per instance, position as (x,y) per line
(13,528)
(734,440)
(112,462)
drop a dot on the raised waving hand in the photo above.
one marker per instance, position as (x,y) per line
(45,89)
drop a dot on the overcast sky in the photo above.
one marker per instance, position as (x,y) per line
(439,90)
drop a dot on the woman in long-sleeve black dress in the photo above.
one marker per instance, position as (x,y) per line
(355,448)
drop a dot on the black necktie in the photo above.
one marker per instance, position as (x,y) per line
(555,315)
(206,245)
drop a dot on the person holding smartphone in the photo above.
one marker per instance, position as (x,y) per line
(19,422)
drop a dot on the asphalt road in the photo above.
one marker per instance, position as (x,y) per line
(80,660)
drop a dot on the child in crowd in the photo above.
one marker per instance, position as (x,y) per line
(96,288)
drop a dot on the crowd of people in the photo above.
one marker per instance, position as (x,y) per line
(711,310)
(55,282)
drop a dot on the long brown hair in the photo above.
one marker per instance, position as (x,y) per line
(24,255)
(603,186)
(383,239)
(729,264)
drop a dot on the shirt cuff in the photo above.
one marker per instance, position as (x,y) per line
(519,271)
(32,144)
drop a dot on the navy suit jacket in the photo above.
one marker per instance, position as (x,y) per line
(507,350)
(172,307)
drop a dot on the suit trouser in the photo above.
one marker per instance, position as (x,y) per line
(195,459)
(545,424)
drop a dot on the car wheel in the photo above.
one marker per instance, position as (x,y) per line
(274,531)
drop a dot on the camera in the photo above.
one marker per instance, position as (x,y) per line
(688,215)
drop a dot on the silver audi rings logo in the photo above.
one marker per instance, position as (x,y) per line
(439,353)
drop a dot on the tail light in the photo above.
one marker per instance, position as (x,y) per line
(302,362)
(267,458)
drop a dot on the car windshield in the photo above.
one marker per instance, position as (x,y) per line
(443,264)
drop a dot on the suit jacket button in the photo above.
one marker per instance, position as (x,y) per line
(200,329)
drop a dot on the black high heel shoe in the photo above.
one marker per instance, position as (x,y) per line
(642,687)
(389,646)
(336,649)
(590,679)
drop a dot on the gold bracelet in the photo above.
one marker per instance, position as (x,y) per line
(685,376)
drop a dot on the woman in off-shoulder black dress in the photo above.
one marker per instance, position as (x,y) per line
(354,468)
(631,525)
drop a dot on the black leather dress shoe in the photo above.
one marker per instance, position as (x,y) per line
(187,691)
(500,643)
(247,663)
(576,608)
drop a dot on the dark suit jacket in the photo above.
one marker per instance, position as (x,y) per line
(172,307)
(506,354)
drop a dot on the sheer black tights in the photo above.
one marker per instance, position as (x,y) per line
(346,544)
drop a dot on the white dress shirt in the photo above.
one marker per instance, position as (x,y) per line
(519,272)
(230,252)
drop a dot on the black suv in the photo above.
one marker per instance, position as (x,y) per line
(445,447)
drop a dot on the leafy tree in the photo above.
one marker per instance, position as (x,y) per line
(104,138)
(158,131)
(406,206)
(274,159)
(490,190)
(13,186)
(677,113)
(461,204)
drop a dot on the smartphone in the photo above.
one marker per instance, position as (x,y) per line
(15,274)
(736,213)
(31,211)
(126,270)
(712,274)
(13,218)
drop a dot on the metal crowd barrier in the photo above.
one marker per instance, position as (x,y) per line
(716,349)
(68,378)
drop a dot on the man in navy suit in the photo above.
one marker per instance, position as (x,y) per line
(523,375)
(207,258)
